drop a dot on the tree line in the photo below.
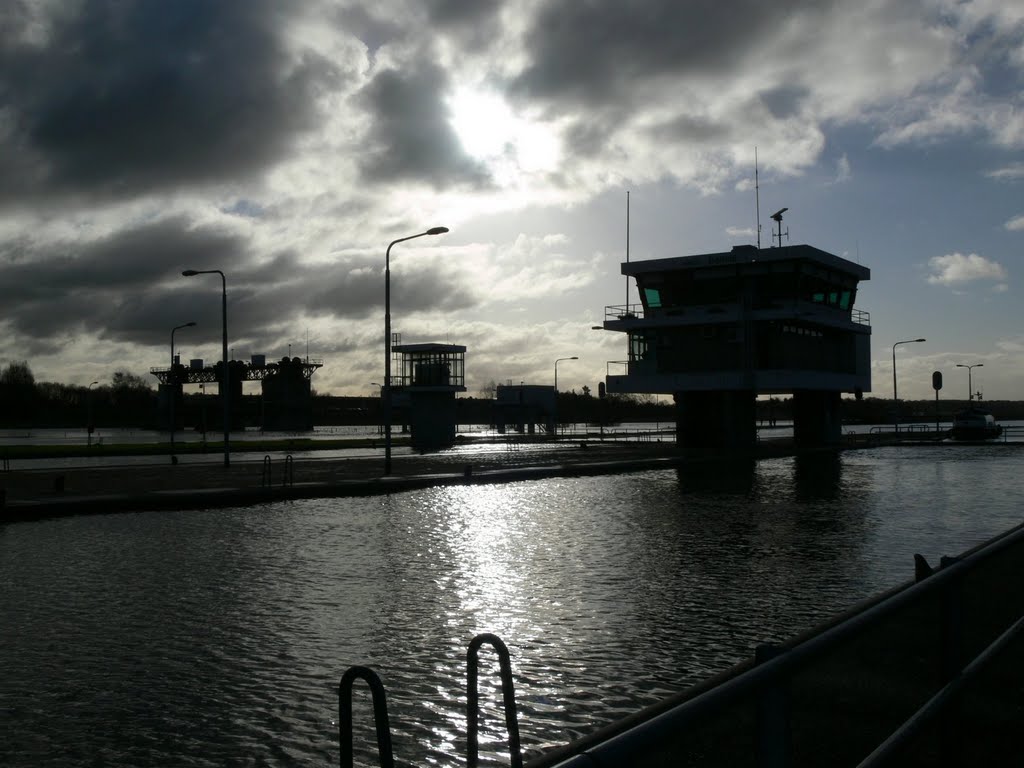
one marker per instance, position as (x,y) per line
(129,401)
(120,402)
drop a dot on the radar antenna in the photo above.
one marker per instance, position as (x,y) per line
(777,217)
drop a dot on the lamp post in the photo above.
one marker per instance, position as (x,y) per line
(380,394)
(387,340)
(171,381)
(202,400)
(225,384)
(895,400)
(556,369)
(88,414)
(970,390)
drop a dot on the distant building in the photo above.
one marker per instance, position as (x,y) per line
(716,330)
(524,406)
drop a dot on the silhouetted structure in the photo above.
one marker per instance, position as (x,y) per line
(524,406)
(287,404)
(716,330)
(428,377)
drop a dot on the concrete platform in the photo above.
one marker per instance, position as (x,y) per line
(43,493)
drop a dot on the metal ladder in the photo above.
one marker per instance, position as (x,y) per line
(288,478)
(380,709)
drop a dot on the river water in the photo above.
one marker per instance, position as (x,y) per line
(214,638)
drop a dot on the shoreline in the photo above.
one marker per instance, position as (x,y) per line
(34,494)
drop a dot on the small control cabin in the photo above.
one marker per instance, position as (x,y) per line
(429,376)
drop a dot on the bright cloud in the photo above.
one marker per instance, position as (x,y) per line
(288,143)
(957,268)
(843,172)
(1012,172)
(740,231)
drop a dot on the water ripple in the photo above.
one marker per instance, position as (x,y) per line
(218,637)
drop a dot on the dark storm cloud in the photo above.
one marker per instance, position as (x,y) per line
(129,287)
(462,12)
(785,101)
(58,289)
(590,53)
(686,128)
(475,23)
(125,97)
(410,137)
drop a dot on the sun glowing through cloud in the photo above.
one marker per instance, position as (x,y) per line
(491,132)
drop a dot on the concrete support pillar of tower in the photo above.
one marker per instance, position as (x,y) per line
(716,423)
(816,419)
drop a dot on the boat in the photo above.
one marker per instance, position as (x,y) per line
(975,424)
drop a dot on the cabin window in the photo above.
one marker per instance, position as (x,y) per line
(637,346)
(818,298)
(844,300)
(652,297)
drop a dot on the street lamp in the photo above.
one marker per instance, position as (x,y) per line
(202,402)
(387,340)
(170,380)
(556,369)
(88,415)
(970,390)
(226,394)
(895,401)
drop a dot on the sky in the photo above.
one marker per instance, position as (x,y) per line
(287,144)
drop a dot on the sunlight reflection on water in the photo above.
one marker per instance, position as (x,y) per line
(202,638)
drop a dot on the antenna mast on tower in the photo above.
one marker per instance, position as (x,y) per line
(627,250)
(757,200)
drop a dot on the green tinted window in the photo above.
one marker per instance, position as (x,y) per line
(653,297)
(818,298)
(844,300)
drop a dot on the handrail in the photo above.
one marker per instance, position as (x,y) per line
(380,716)
(288,478)
(265,472)
(620,748)
(624,312)
(860,317)
(933,707)
(473,700)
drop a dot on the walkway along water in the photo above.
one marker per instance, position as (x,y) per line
(928,674)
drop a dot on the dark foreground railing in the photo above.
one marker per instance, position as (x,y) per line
(903,679)
(930,640)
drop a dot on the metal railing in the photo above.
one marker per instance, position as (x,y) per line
(380,716)
(624,312)
(508,694)
(765,685)
(767,681)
